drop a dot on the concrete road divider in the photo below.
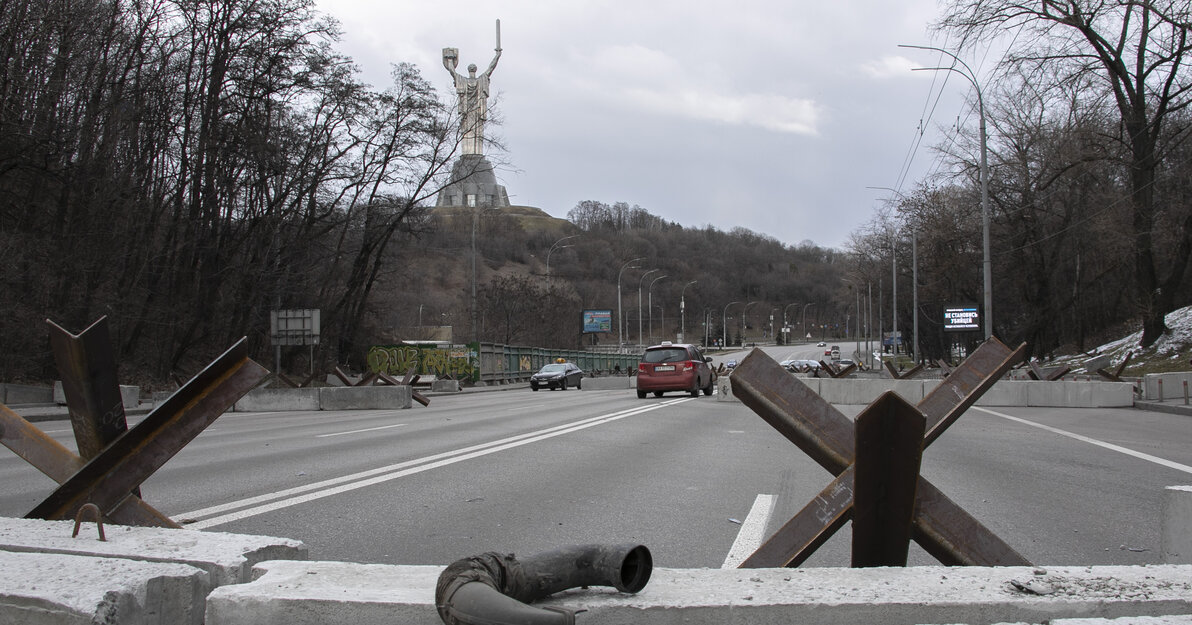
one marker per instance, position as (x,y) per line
(227,558)
(45,589)
(149,575)
(607,384)
(310,593)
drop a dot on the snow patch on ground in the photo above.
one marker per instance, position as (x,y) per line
(1174,344)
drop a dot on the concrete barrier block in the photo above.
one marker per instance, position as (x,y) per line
(365,398)
(607,384)
(1172,387)
(45,589)
(227,558)
(328,592)
(1046,394)
(1005,393)
(130,396)
(1111,394)
(59,393)
(724,388)
(444,386)
(296,593)
(1177,525)
(14,394)
(272,399)
(1102,361)
(860,392)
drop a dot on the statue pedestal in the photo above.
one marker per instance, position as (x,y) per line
(473,184)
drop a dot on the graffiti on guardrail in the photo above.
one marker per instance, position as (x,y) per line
(524,364)
(442,362)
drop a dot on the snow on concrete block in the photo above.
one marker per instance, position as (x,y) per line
(316,593)
(297,593)
(228,558)
(1177,525)
(47,589)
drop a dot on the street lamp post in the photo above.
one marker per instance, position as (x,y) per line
(786,325)
(915,291)
(743,311)
(650,303)
(555,246)
(683,311)
(724,323)
(639,302)
(914,280)
(621,319)
(894,303)
(986,263)
(805,316)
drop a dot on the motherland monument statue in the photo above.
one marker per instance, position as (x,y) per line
(473,182)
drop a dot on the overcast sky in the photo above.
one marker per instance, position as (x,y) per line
(767,114)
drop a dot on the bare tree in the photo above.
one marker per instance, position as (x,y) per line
(1135,50)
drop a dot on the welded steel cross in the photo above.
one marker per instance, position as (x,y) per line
(876,464)
(113,460)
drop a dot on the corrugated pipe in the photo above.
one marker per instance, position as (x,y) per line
(494,588)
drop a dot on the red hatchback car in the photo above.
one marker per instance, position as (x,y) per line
(674,367)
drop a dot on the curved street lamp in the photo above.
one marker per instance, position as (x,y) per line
(555,246)
(986,263)
(620,319)
(639,302)
(724,322)
(650,303)
(683,312)
(743,311)
(805,316)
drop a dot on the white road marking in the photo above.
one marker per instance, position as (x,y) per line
(1092,441)
(752,532)
(383,427)
(326,488)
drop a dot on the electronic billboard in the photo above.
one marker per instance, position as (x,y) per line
(961,318)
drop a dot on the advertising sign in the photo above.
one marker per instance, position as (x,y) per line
(294,327)
(598,321)
(961,318)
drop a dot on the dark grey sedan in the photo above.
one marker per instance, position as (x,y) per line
(558,375)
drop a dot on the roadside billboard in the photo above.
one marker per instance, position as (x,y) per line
(598,321)
(961,318)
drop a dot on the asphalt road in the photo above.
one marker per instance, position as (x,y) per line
(522,472)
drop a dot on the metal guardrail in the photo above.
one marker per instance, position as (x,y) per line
(508,363)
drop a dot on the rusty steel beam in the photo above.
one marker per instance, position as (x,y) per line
(810,528)
(88,370)
(954,537)
(889,451)
(796,411)
(59,464)
(966,384)
(826,435)
(411,378)
(902,376)
(343,377)
(107,479)
(36,447)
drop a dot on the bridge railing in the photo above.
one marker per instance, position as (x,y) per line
(503,364)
